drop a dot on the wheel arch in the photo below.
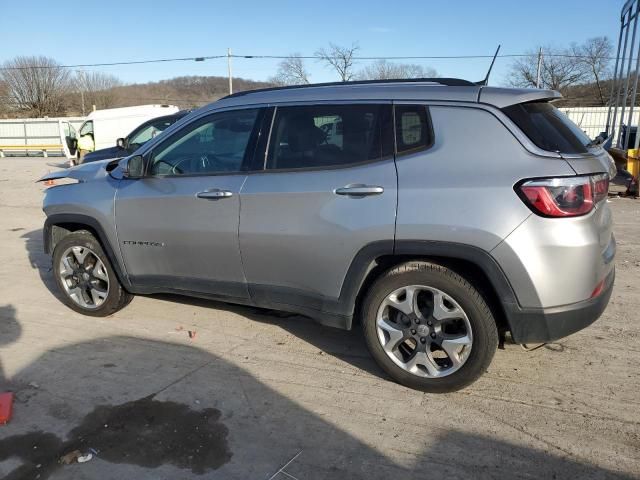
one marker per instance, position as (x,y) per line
(58,226)
(472,263)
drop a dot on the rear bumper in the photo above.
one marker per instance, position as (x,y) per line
(548,324)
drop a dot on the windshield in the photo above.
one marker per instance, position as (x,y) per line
(548,127)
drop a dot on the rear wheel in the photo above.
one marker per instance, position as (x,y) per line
(85,277)
(428,328)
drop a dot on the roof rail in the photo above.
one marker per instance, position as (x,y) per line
(449,82)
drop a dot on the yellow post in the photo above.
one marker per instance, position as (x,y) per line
(633,162)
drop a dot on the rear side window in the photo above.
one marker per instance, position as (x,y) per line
(548,127)
(320,136)
(413,130)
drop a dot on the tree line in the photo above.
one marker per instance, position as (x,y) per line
(38,86)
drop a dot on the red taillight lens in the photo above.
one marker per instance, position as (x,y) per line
(600,186)
(565,196)
(598,290)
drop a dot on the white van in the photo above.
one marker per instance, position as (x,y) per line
(102,128)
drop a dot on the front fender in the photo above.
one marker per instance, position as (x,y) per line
(77,221)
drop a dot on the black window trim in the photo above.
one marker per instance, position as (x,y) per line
(430,130)
(200,120)
(264,153)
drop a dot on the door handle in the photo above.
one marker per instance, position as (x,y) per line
(215,194)
(359,190)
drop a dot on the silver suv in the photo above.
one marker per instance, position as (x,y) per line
(438,213)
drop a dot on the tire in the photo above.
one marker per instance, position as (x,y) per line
(101,277)
(428,282)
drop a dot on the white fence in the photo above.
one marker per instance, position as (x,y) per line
(33,131)
(592,120)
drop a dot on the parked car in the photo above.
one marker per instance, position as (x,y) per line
(138,137)
(478,211)
(103,128)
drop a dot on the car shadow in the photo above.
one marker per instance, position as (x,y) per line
(152,409)
(40,261)
(347,346)
(10,332)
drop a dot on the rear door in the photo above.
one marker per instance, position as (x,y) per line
(326,190)
(178,226)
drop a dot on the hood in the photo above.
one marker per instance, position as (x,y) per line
(110,153)
(83,173)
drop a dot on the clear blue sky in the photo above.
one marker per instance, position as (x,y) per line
(94,32)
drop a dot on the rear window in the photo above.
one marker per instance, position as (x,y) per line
(548,127)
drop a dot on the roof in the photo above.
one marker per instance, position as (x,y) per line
(132,111)
(435,89)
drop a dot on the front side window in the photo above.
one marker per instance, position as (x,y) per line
(413,131)
(143,136)
(87,128)
(320,136)
(217,144)
(147,133)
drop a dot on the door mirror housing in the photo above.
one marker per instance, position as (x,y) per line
(133,167)
(121,143)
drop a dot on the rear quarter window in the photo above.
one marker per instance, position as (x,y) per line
(413,128)
(548,128)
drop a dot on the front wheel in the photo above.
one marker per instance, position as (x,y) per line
(428,328)
(85,277)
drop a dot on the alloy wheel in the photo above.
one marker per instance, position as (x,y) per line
(84,277)
(424,331)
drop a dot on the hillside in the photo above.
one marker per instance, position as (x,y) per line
(185,92)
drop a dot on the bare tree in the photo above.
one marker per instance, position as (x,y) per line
(4,98)
(560,69)
(339,58)
(291,71)
(97,88)
(595,55)
(36,85)
(383,70)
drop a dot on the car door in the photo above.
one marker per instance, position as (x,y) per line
(319,199)
(178,226)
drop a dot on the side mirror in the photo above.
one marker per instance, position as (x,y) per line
(120,143)
(133,167)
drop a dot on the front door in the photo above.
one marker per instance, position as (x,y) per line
(178,226)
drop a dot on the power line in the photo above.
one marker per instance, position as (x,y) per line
(111,64)
(283,57)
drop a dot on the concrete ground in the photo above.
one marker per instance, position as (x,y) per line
(259,396)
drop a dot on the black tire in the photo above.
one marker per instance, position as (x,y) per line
(483,325)
(117,297)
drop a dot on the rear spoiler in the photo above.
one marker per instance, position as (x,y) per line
(504,97)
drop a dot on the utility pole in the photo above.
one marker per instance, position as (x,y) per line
(229,68)
(539,68)
(80,74)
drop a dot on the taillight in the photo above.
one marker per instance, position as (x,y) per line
(600,186)
(564,196)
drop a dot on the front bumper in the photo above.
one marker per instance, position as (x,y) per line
(529,325)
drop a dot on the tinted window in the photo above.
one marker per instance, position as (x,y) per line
(413,131)
(329,135)
(548,127)
(215,145)
(147,133)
